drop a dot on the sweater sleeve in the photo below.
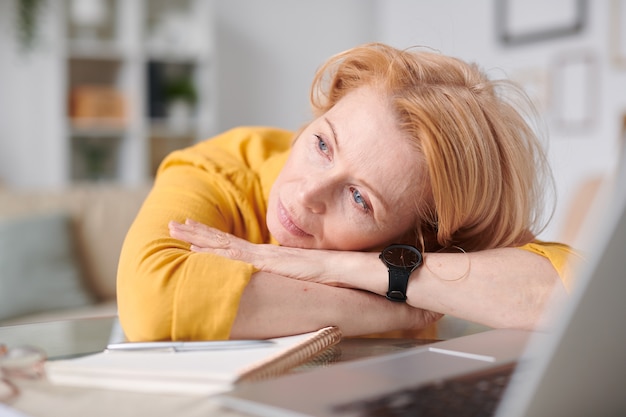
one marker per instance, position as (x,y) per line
(164,291)
(561,256)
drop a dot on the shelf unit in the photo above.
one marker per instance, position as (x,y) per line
(139,83)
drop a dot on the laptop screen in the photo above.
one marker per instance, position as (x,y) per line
(581,368)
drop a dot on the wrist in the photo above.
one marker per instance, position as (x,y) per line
(364,271)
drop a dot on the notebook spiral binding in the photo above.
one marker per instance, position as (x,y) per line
(319,348)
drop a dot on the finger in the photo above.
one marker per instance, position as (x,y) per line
(199,234)
(176,230)
(216,237)
(221,239)
(230,253)
(181,231)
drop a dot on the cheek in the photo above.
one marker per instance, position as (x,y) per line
(356,236)
(376,236)
(273,199)
(291,170)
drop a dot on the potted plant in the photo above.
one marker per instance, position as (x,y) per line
(181,98)
(27,21)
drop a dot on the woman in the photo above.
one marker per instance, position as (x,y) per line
(272,233)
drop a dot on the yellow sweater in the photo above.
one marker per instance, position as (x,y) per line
(165,291)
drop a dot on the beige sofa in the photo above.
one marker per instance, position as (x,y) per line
(59,250)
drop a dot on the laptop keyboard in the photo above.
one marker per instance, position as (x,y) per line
(476,395)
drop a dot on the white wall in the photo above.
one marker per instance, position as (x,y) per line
(268,52)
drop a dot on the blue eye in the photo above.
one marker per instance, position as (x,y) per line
(358,198)
(321,144)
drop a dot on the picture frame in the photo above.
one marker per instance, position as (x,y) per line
(521,22)
(575,91)
(618,33)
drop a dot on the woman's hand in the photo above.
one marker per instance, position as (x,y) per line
(322,266)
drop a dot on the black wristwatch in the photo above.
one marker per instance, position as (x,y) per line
(401,260)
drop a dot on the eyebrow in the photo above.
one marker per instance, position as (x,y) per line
(382,201)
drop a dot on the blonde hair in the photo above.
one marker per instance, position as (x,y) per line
(486,169)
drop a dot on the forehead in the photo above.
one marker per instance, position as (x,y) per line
(377,151)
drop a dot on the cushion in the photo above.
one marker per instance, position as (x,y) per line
(101,215)
(39,270)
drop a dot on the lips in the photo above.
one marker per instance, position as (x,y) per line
(285,220)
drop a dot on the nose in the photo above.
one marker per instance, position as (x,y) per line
(313,194)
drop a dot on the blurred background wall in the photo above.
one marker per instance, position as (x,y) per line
(89,96)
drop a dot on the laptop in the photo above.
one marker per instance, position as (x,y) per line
(577,368)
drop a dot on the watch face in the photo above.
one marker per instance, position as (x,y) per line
(402,256)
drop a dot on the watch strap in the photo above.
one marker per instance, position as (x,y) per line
(398,283)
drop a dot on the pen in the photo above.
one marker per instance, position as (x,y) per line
(189,346)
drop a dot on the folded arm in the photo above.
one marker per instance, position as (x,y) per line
(273,306)
(506,287)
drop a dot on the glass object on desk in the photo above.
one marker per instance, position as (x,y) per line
(64,338)
(18,362)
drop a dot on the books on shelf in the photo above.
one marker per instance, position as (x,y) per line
(195,372)
(93,106)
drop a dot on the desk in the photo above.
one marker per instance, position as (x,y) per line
(76,337)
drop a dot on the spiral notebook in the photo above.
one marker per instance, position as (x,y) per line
(197,372)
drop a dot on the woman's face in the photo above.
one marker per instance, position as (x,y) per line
(351,181)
